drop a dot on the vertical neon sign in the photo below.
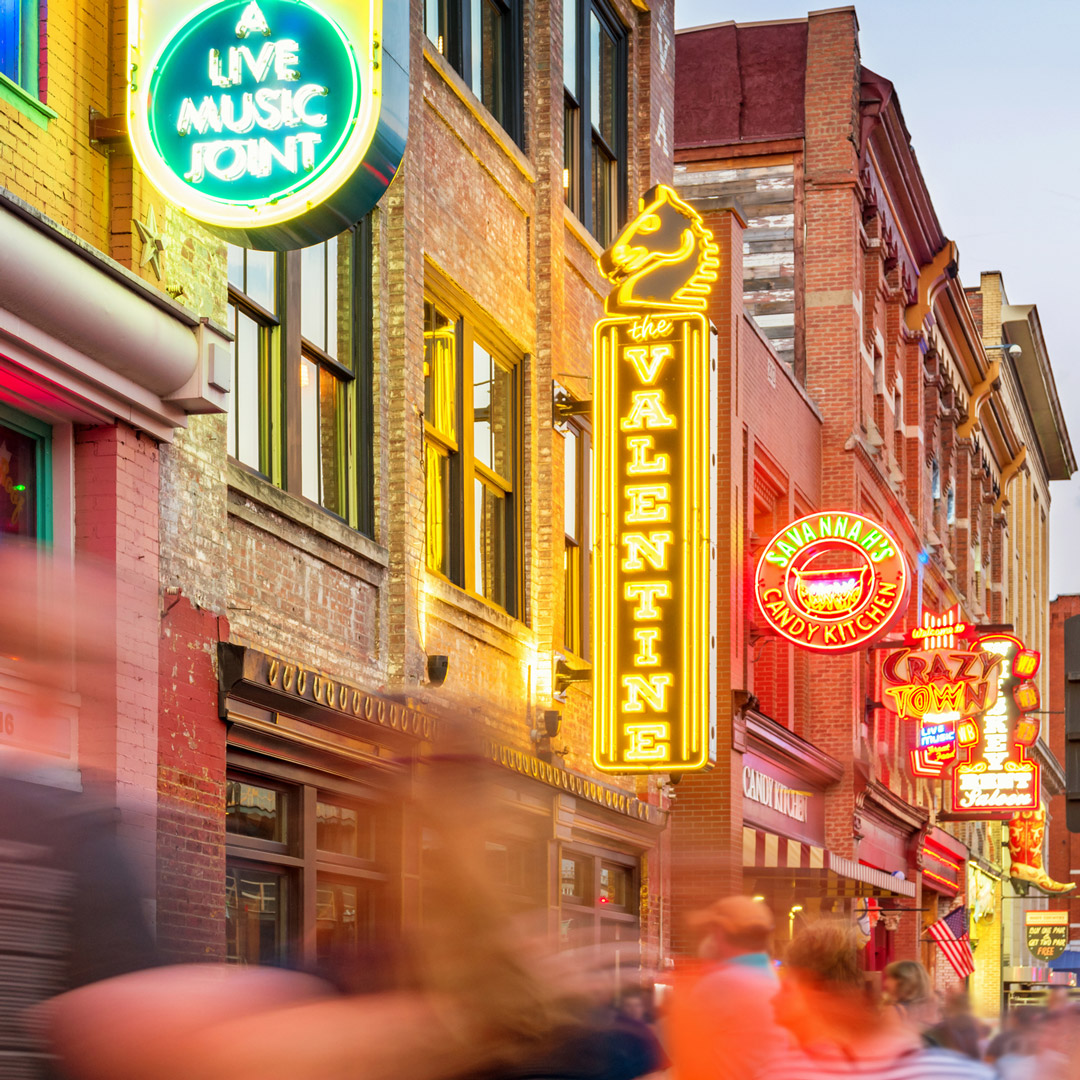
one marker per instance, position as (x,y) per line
(654,413)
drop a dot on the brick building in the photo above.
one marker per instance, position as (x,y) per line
(1062,846)
(850,278)
(383,533)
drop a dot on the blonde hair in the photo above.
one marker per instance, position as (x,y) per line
(912,981)
(828,952)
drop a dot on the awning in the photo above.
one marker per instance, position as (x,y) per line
(1069,960)
(775,861)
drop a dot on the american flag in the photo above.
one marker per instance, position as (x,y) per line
(951,933)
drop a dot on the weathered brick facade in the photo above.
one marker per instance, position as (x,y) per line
(854,282)
(219,555)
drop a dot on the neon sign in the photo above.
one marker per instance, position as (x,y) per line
(654,411)
(832,582)
(254,116)
(997,778)
(939,682)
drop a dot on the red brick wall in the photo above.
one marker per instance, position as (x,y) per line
(116,522)
(191,785)
(1062,846)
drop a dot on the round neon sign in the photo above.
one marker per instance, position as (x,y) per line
(832,582)
(256,116)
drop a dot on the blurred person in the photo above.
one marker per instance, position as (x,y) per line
(1014,1050)
(722,1023)
(957,1029)
(839,1030)
(1059,1001)
(463,995)
(909,992)
(70,912)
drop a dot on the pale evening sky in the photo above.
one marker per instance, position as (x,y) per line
(990,92)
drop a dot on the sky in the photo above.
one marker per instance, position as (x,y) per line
(990,92)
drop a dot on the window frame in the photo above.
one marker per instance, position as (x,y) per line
(298,860)
(577,191)
(269,324)
(26,21)
(582,431)
(466,469)
(281,434)
(458,51)
(41,434)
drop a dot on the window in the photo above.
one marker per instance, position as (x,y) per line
(471,458)
(325,329)
(303,879)
(950,507)
(594,116)
(598,902)
(253,304)
(25,477)
(482,40)
(20,43)
(935,479)
(441,436)
(577,538)
(300,411)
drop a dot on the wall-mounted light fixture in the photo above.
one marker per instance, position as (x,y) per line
(437,667)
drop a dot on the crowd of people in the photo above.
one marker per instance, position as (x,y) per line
(468,995)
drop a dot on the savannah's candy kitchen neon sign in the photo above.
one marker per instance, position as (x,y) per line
(276,123)
(997,778)
(653,413)
(832,582)
(940,680)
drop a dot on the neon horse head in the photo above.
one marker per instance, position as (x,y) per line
(664,259)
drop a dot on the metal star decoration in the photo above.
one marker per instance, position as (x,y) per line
(153,245)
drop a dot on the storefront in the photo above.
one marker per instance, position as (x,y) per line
(785,860)
(97,370)
(322,855)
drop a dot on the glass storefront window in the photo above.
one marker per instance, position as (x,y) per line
(251,810)
(304,881)
(25,477)
(344,830)
(254,915)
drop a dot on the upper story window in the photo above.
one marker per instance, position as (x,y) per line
(20,43)
(594,116)
(472,457)
(577,538)
(935,479)
(299,411)
(482,39)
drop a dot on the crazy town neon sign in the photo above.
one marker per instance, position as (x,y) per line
(940,679)
(832,582)
(653,414)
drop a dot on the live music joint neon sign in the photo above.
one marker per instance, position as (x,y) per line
(654,389)
(275,123)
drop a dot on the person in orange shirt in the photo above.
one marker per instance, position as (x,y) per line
(723,1025)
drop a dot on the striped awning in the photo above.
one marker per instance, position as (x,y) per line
(776,860)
